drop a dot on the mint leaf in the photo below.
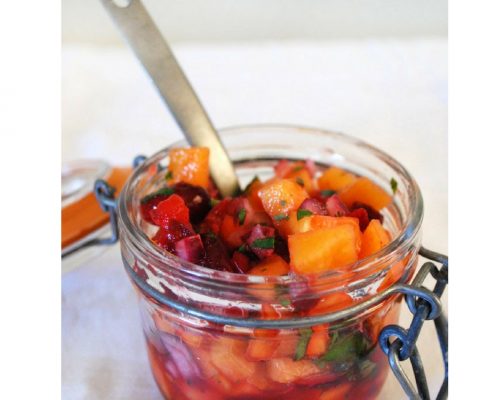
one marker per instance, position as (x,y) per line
(393,185)
(347,348)
(242,249)
(166,191)
(281,217)
(305,335)
(168,176)
(283,203)
(303,213)
(327,193)
(241,216)
(300,181)
(264,243)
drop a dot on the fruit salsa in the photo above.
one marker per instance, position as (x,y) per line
(305,221)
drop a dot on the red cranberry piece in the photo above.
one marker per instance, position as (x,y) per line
(241,262)
(372,213)
(190,249)
(261,241)
(151,201)
(172,208)
(335,207)
(362,216)
(302,297)
(214,219)
(216,254)
(282,249)
(175,231)
(196,198)
(315,206)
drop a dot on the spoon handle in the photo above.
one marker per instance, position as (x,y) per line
(157,58)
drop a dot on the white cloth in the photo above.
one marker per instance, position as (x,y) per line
(392,94)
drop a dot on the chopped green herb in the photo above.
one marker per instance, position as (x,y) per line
(214,202)
(303,213)
(166,191)
(168,176)
(297,168)
(327,193)
(280,217)
(393,185)
(305,335)
(283,203)
(347,348)
(241,216)
(300,181)
(242,249)
(284,302)
(264,243)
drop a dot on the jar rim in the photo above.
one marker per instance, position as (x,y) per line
(361,268)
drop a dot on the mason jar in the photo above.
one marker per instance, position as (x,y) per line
(214,335)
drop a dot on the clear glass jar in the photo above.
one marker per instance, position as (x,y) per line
(219,335)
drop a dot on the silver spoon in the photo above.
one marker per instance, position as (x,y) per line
(154,53)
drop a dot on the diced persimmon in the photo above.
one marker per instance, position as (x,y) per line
(323,249)
(331,303)
(227,355)
(286,370)
(261,349)
(375,237)
(192,338)
(273,265)
(365,191)
(287,346)
(252,195)
(281,196)
(292,225)
(189,165)
(335,179)
(302,178)
(337,392)
(318,342)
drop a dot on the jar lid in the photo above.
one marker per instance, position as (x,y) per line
(82,216)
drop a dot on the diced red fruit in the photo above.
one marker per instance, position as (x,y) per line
(282,168)
(335,207)
(214,218)
(232,233)
(216,254)
(302,297)
(372,213)
(310,167)
(172,208)
(196,199)
(190,249)
(149,205)
(281,248)
(362,215)
(259,233)
(315,206)
(241,262)
(175,231)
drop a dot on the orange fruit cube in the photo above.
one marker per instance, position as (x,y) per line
(281,196)
(331,303)
(375,237)
(302,178)
(273,265)
(323,249)
(318,342)
(365,191)
(335,179)
(286,370)
(227,356)
(261,349)
(190,165)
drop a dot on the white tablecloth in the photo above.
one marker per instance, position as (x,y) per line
(390,93)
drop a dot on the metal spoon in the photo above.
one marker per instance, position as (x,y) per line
(154,53)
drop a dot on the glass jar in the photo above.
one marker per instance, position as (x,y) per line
(219,335)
